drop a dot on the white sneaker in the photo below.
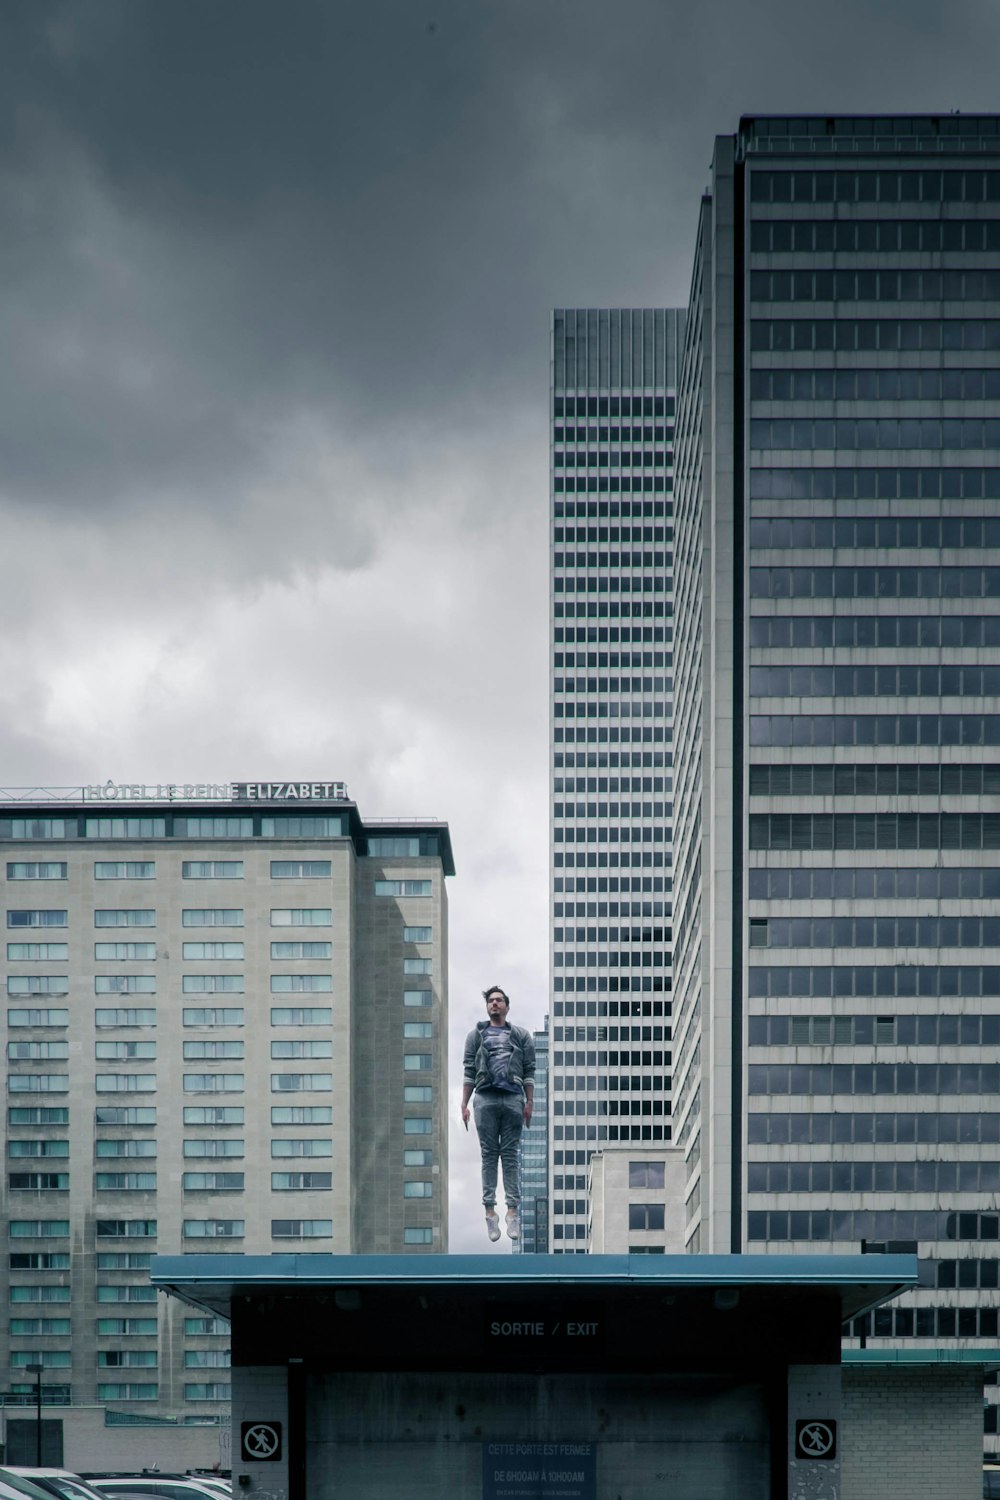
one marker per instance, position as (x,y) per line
(513,1225)
(493,1225)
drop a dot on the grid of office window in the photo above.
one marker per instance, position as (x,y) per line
(612,411)
(872,533)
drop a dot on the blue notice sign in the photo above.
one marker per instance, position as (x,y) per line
(539,1471)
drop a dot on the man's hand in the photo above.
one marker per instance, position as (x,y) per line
(465,1116)
(527,1112)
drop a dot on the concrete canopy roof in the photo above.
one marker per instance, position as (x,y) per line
(211,1282)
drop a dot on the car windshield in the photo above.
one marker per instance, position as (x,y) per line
(71,1489)
(12,1487)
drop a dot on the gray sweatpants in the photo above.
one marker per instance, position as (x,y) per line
(499,1121)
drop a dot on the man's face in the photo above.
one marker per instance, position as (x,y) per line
(497,1008)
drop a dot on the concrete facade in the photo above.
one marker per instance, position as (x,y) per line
(637,1201)
(204,1001)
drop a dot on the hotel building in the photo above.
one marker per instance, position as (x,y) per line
(226,1018)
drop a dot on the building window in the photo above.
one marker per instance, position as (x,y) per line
(107,1146)
(303,828)
(43,952)
(214,1146)
(306,1083)
(301,984)
(50,1017)
(37,869)
(213,1114)
(39,1229)
(301,1015)
(418,966)
(38,1083)
(418,1190)
(37,828)
(310,1146)
(36,1114)
(210,1325)
(213,984)
(418,997)
(124,869)
(417,1062)
(298,1182)
(105,952)
(125,1182)
(300,949)
(418,1093)
(207,1359)
(125,984)
(124,828)
(212,951)
(212,1390)
(213,1083)
(394,848)
(125,1083)
(302,916)
(213,828)
(212,869)
(212,1182)
(127,1327)
(301,1114)
(646,1215)
(300,869)
(308,1047)
(418,1158)
(125,1114)
(418,1125)
(50,1358)
(116,1229)
(213,1051)
(418,1029)
(402,887)
(211,1015)
(213,1229)
(212,916)
(124,917)
(301,1229)
(130,1390)
(52,918)
(418,1236)
(38,984)
(124,1051)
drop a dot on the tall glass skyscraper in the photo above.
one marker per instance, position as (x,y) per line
(612,410)
(837,707)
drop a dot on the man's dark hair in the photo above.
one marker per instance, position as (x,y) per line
(495,989)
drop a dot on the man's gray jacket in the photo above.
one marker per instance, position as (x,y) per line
(520,1067)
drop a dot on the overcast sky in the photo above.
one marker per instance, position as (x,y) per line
(274,304)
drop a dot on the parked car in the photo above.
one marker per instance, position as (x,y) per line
(16,1487)
(163,1486)
(59,1482)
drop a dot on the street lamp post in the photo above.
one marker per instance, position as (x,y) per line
(36,1370)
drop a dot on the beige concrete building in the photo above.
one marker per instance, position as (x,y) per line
(636,1198)
(226,1013)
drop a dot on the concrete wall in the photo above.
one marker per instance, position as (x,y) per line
(377,1437)
(912,1434)
(89,1444)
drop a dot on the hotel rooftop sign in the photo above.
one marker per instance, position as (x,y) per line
(178,791)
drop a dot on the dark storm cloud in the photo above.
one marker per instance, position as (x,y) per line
(219,216)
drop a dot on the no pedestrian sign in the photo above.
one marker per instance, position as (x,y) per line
(816,1439)
(260,1442)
